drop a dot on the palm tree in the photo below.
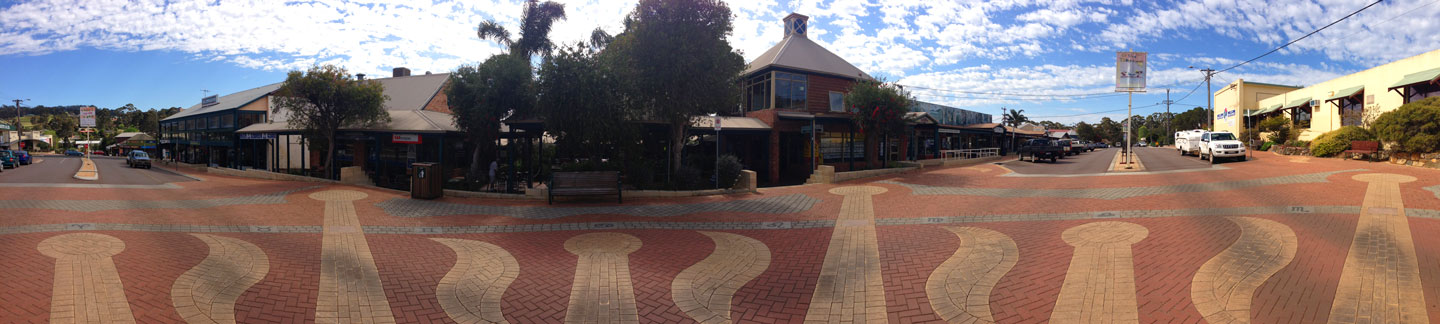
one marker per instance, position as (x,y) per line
(1016,117)
(534,29)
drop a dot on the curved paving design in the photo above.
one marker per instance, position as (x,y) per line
(99,205)
(1223,287)
(1116,193)
(705,290)
(959,290)
(1381,278)
(1435,189)
(350,290)
(850,288)
(1100,284)
(787,204)
(471,291)
(87,286)
(602,291)
(207,292)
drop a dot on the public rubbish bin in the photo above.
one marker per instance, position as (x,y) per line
(425,181)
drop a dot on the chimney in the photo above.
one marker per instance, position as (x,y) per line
(401,72)
(360,76)
(795,24)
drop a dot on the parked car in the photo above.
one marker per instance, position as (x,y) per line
(1066,150)
(1078,146)
(1221,145)
(73,153)
(100,153)
(136,159)
(24,157)
(8,159)
(1039,149)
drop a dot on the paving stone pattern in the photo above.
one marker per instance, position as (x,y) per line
(87,287)
(850,289)
(1223,287)
(99,205)
(1100,284)
(704,291)
(471,291)
(350,287)
(1435,189)
(602,291)
(1116,193)
(787,204)
(1381,279)
(959,290)
(207,293)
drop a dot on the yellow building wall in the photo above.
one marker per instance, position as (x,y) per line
(262,104)
(1376,81)
(1242,97)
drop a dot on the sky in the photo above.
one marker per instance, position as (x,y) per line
(1055,59)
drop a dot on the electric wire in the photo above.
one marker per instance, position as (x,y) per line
(1372,4)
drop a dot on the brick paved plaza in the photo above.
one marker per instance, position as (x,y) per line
(1270,240)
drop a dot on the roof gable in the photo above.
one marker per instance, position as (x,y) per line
(800,53)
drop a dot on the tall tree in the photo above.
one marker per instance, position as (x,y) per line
(879,111)
(1087,132)
(1015,118)
(325,98)
(535,24)
(64,126)
(483,96)
(580,103)
(675,63)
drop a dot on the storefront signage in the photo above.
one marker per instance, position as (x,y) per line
(806,129)
(257,136)
(210,101)
(405,138)
(1226,114)
(1130,71)
(87,116)
(999,129)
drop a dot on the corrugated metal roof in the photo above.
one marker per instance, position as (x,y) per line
(412,92)
(1298,102)
(1418,77)
(799,52)
(1346,92)
(228,102)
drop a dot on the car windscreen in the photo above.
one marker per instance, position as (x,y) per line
(141,154)
(1222,137)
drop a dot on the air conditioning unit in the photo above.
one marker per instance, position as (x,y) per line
(1314,103)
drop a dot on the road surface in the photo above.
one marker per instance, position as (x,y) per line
(61,169)
(1085,163)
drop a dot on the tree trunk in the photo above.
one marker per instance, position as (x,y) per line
(872,151)
(330,156)
(475,163)
(677,137)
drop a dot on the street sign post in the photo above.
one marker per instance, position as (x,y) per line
(1129,78)
(87,116)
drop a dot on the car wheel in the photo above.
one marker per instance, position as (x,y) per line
(1212,159)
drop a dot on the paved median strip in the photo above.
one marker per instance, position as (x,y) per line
(87,170)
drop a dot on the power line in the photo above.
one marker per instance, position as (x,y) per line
(1003,94)
(1096,113)
(1302,37)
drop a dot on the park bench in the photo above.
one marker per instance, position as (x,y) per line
(588,183)
(1365,148)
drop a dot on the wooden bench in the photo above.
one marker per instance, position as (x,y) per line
(1365,148)
(589,183)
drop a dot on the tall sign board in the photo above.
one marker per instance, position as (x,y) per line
(1130,72)
(87,116)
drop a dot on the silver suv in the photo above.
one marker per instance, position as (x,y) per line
(136,159)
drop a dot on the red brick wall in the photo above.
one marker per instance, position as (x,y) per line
(817,95)
(440,103)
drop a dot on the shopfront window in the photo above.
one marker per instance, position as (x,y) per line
(1302,116)
(1422,91)
(227,121)
(790,90)
(757,92)
(837,101)
(1352,113)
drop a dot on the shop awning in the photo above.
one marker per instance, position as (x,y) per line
(1297,102)
(728,123)
(1419,77)
(1264,111)
(1346,93)
(401,121)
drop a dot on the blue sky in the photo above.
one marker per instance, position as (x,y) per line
(159,54)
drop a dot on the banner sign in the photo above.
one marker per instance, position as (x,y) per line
(1130,71)
(257,136)
(405,138)
(87,116)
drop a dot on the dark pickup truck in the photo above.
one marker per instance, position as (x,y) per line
(1039,149)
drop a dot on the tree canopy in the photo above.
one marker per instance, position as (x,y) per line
(325,98)
(674,63)
(578,99)
(482,96)
(879,111)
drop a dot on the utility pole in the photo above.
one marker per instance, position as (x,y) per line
(1209,97)
(1167,114)
(18,131)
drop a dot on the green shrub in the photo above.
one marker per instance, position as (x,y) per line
(1279,128)
(1266,146)
(1414,127)
(1337,141)
(729,170)
(1297,143)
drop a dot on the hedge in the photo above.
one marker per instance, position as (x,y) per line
(1336,141)
(1414,127)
